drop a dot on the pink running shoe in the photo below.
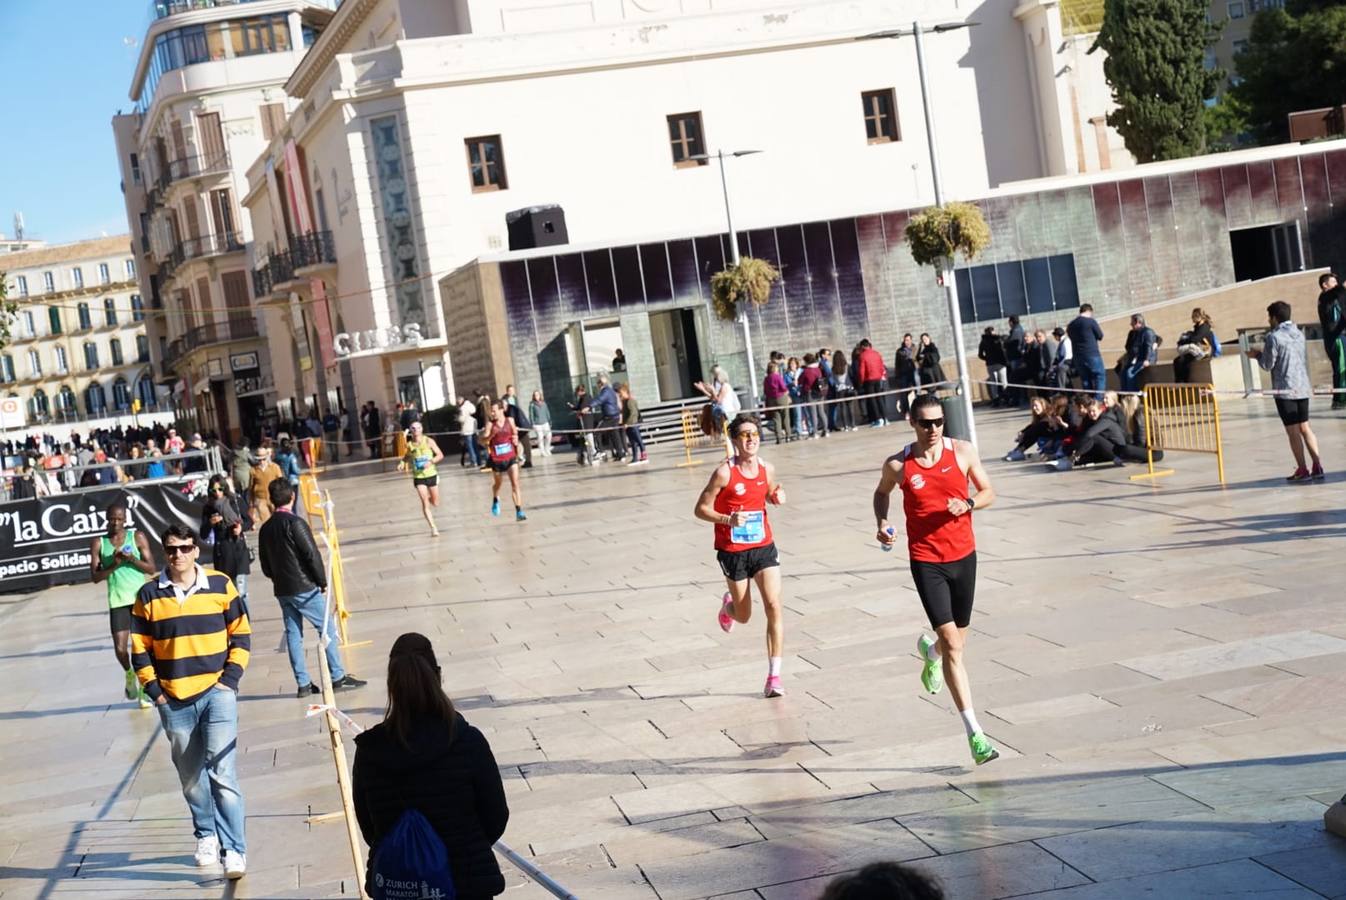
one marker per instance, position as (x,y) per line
(1301,474)
(726,620)
(1318,474)
(773,688)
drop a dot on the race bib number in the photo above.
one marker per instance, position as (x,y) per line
(420,463)
(751,531)
(503,449)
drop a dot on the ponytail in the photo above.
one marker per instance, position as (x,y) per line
(415,693)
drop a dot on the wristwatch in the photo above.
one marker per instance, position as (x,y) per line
(971,504)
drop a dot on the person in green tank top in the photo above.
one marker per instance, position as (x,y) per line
(123,559)
(421,457)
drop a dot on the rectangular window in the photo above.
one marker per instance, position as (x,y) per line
(881,116)
(62,364)
(34,364)
(486,163)
(135,169)
(137,308)
(49,281)
(91,356)
(263,34)
(117,358)
(1236,9)
(273,119)
(104,275)
(142,348)
(1239,47)
(109,312)
(85,319)
(1043,284)
(130,269)
(21,285)
(29,325)
(7,368)
(77,276)
(54,319)
(687,138)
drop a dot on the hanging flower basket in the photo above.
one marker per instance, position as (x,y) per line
(751,279)
(942,231)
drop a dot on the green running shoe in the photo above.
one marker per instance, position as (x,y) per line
(132,684)
(932,674)
(983,751)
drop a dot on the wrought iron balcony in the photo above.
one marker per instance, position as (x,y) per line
(239,328)
(268,278)
(313,250)
(198,247)
(192,166)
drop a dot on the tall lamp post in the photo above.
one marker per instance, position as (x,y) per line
(719,156)
(945,269)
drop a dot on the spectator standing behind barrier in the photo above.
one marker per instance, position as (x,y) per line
(791,376)
(904,368)
(776,395)
(290,558)
(240,467)
(331,435)
(991,351)
(844,392)
(1142,351)
(1014,352)
(223,522)
(1193,345)
(541,416)
(1084,334)
(810,385)
(724,403)
(609,411)
(425,756)
(263,474)
(190,642)
(1061,369)
(522,423)
(927,362)
(631,422)
(467,430)
(871,378)
(1332,318)
(1283,355)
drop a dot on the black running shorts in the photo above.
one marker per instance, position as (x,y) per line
(744,564)
(502,466)
(432,481)
(119,618)
(1292,412)
(946,589)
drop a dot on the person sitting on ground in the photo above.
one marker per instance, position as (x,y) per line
(1193,345)
(883,881)
(1044,429)
(1104,440)
(424,756)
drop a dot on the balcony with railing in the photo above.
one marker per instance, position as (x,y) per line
(200,247)
(313,252)
(309,255)
(273,276)
(162,9)
(240,328)
(215,163)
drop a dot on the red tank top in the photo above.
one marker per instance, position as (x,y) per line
(501,443)
(749,495)
(933,534)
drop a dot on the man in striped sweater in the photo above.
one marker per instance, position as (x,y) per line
(189,647)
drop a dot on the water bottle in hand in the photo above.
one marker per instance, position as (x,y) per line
(888,548)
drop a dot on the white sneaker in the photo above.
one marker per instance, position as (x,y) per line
(208,851)
(235,864)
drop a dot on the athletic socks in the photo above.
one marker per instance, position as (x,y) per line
(773,664)
(970,721)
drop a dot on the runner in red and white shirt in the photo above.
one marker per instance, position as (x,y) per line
(933,473)
(735,499)
(503,451)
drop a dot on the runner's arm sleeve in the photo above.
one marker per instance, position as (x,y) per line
(142,649)
(238,628)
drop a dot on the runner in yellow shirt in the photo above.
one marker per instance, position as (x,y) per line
(421,457)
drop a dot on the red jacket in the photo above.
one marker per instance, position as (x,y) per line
(871,365)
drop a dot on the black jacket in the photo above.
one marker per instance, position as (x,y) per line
(289,557)
(452,778)
(991,350)
(231,553)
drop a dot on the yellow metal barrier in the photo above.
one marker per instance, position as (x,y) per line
(1182,417)
(692,436)
(338,585)
(311,497)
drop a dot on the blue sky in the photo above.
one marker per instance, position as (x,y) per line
(68,70)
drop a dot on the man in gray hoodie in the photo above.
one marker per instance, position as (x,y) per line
(1283,355)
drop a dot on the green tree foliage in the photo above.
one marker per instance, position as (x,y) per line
(1156,67)
(1295,60)
(9,310)
(1226,124)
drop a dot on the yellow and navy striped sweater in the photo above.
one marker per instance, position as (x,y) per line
(182,648)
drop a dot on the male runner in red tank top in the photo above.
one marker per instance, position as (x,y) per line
(933,473)
(735,499)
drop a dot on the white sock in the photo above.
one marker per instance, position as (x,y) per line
(773,664)
(932,652)
(969,721)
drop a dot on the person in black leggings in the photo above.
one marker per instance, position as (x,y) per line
(1104,440)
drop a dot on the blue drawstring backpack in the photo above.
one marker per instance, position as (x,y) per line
(411,863)
(1215,346)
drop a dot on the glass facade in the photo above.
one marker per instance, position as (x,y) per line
(193,44)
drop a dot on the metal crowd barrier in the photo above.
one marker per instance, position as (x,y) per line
(1185,418)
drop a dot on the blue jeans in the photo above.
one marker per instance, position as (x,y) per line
(295,610)
(470,447)
(1131,375)
(203,734)
(1093,376)
(241,582)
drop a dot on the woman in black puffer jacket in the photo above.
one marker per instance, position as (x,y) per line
(425,755)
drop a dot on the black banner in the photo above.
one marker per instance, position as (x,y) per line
(46,541)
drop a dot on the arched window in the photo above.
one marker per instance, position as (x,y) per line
(121,394)
(85,320)
(137,307)
(115,345)
(95,400)
(7,368)
(110,311)
(65,401)
(38,405)
(90,355)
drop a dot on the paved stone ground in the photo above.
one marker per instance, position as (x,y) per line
(1164,669)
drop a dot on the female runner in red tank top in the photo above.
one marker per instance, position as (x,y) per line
(933,473)
(735,499)
(502,448)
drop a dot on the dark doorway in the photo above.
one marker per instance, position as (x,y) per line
(677,352)
(1267,250)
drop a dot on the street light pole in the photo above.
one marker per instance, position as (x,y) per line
(734,260)
(946,276)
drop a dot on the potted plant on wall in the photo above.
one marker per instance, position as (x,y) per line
(749,279)
(939,232)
